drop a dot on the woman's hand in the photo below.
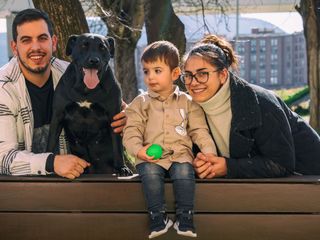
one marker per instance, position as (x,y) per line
(201,166)
(209,165)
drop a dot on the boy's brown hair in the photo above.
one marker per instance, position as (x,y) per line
(164,51)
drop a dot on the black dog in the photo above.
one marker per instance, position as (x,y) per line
(85,100)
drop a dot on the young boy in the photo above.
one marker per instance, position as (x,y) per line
(168,117)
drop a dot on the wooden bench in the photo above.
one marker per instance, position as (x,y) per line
(102,207)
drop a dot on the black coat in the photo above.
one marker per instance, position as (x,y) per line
(267,139)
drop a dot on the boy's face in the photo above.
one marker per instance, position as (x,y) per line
(159,77)
(34,46)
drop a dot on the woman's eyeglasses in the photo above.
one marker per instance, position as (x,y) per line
(200,77)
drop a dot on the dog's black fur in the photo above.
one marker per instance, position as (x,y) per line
(85,111)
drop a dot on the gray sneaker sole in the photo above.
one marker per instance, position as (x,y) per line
(163,231)
(184,233)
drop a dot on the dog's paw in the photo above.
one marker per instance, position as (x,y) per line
(124,171)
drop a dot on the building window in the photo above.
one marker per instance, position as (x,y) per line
(274,76)
(253,48)
(253,75)
(253,59)
(274,42)
(262,45)
(273,80)
(262,76)
(274,57)
(262,42)
(274,65)
(242,66)
(240,48)
(288,64)
(262,60)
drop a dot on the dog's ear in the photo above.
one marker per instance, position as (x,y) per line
(110,42)
(71,43)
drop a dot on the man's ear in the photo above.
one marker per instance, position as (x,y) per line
(71,43)
(13,46)
(110,42)
(54,43)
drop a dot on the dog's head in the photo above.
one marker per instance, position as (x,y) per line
(91,54)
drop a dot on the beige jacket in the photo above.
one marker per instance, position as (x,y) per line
(154,120)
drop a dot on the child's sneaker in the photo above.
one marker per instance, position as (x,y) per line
(184,224)
(159,224)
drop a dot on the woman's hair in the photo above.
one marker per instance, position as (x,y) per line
(162,50)
(216,50)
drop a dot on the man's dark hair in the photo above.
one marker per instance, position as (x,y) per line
(29,15)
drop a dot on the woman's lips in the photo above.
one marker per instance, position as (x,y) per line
(198,90)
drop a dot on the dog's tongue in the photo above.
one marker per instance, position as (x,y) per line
(91,79)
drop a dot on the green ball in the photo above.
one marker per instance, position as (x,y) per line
(155,150)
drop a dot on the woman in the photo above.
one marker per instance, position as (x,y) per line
(256,134)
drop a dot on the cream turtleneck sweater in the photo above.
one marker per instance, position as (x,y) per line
(219,115)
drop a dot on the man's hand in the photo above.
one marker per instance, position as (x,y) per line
(210,165)
(69,166)
(120,119)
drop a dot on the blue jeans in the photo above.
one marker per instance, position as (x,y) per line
(152,177)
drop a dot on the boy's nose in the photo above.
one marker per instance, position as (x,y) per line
(150,76)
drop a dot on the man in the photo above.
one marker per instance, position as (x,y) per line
(27,84)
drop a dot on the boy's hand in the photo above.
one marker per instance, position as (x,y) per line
(142,154)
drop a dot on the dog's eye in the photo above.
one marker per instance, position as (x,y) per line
(85,45)
(101,46)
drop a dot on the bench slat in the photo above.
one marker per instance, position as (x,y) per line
(127,197)
(75,226)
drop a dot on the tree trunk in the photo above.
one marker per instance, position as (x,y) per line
(68,18)
(310,12)
(126,70)
(163,24)
(124,19)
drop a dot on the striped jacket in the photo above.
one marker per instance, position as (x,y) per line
(16,122)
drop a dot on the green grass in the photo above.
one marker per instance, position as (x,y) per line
(284,94)
(289,96)
(297,96)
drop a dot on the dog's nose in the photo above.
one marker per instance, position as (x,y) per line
(94,60)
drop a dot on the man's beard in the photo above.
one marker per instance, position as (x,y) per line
(37,70)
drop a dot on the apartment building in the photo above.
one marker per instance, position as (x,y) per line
(272,60)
